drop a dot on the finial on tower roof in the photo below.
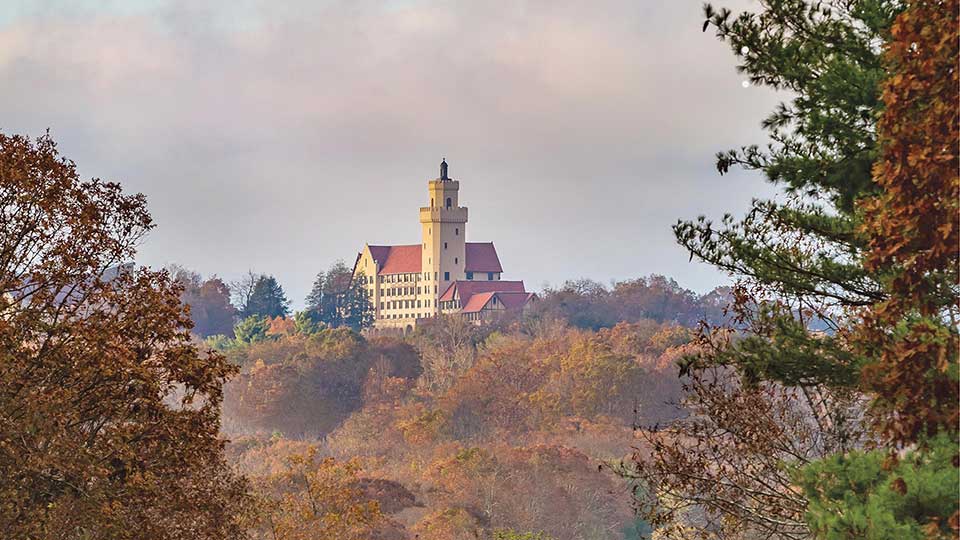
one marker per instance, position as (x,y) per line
(443,170)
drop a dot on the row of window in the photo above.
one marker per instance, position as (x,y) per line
(490,276)
(398,278)
(407,291)
(414,278)
(405,278)
(404,304)
(403,316)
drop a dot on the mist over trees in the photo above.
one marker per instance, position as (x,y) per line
(816,398)
(589,304)
(211,311)
(440,450)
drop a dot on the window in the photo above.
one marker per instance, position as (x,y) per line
(449,202)
(470,276)
(456,232)
(418,303)
(446,276)
(381,305)
(489,276)
(431,202)
(444,245)
(456,260)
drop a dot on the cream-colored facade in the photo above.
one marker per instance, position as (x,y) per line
(406,282)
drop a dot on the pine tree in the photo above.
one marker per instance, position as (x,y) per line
(267,299)
(863,239)
(801,256)
(336,299)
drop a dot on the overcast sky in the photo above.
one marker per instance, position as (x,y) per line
(280,139)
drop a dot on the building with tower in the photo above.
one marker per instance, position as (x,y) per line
(443,274)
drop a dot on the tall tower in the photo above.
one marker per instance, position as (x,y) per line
(444,225)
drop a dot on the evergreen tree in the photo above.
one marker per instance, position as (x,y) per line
(337,299)
(305,324)
(315,299)
(267,299)
(252,329)
(864,239)
(907,489)
(357,308)
(801,256)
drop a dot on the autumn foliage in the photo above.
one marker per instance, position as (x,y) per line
(536,410)
(913,228)
(109,414)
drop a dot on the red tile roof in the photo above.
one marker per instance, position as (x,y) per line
(466,289)
(510,300)
(397,259)
(477,302)
(481,257)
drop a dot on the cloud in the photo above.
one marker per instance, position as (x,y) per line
(282,138)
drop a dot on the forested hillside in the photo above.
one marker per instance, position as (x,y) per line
(455,431)
(816,397)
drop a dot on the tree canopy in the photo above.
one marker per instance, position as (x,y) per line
(109,414)
(863,241)
(337,299)
(266,299)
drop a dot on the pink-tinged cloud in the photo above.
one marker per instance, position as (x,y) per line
(283,138)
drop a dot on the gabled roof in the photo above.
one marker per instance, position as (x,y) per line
(477,302)
(510,300)
(466,289)
(397,259)
(481,257)
(514,300)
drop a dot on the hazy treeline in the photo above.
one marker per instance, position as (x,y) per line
(589,304)
(216,307)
